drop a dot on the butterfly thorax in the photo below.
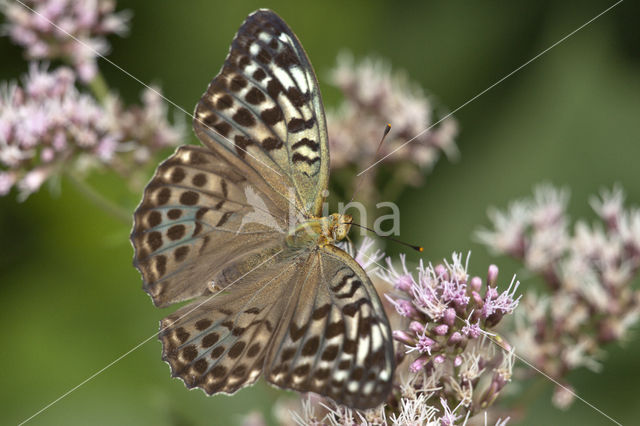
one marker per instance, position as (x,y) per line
(320,231)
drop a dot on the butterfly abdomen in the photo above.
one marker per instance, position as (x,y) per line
(236,268)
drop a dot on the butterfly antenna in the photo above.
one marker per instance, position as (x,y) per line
(416,248)
(360,178)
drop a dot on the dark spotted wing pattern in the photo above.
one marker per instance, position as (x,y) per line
(219,343)
(313,323)
(265,105)
(194,205)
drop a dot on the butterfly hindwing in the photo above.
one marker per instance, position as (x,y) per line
(220,343)
(338,340)
(265,105)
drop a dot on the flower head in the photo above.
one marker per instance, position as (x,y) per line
(589,272)
(47,123)
(374,96)
(449,328)
(73,30)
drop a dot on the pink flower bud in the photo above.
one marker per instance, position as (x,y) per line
(476,283)
(406,309)
(416,327)
(418,364)
(47,155)
(492,275)
(492,293)
(403,337)
(404,283)
(449,316)
(403,307)
(59,141)
(441,272)
(441,329)
(477,299)
(455,338)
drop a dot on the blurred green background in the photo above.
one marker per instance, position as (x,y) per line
(70,301)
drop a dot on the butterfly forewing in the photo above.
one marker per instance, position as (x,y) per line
(266,106)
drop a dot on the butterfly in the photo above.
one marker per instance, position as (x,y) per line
(236,228)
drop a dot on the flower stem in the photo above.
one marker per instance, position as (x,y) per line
(99,87)
(98,199)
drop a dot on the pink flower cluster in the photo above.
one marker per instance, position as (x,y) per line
(589,272)
(41,124)
(374,96)
(72,30)
(46,123)
(449,318)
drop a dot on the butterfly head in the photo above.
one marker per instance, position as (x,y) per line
(339,226)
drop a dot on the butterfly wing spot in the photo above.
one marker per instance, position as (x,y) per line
(181,253)
(203,324)
(210,340)
(301,371)
(272,116)
(297,332)
(162,196)
(255,96)
(237,82)
(239,371)
(254,350)
(236,349)
(177,175)
(199,180)
(259,74)
(321,312)
(154,240)
(176,232)
(154,219)
(330,353)
(244,118)
(288,354)
(311,346)
(217,352)
(334,329)
(189,353)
